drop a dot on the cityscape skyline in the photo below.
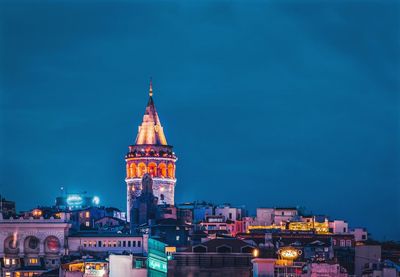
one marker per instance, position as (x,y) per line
(260,133)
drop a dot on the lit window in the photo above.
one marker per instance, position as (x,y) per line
(84,244)
(8,274)
(177,237)
(87,224)
(87,214)
(33,261)
(7,261)
(14,261)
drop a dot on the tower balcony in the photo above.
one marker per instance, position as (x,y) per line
(157,151)
(155,180)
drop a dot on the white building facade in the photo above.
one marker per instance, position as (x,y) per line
(29,242)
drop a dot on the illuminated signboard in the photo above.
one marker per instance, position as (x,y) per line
(94,269)
(289,253)
(157,264)
(74,200)
(170,249)
(95,273)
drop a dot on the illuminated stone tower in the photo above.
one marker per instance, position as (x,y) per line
(150,154)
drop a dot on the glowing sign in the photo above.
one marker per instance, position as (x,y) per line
(95,272)
(95,269)
(170,249)
(96,200)
(74,200)
(289,253)
(157,264)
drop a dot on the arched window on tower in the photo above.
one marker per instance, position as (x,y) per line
(132,170)
(162,170)
(170,170)
(128,173)
(141,170)
(152,169)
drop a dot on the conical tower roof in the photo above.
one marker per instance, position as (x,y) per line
(150,131)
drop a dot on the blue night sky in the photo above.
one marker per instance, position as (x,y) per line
(267,103)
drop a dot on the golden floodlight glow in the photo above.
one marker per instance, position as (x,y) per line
(289,253)
(37,212)
(265,227)
(255,253)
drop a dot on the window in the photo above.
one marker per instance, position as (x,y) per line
(115,244)
(129,243)
(342,243)
(177,227)
(139,243)
(33,261)
(99,243)
(8,274)
(84,243)
(134,243)
(334,242)
(177,237)
(124,243)
(363,237)
(230,215)
(348,243)
(53,261)
(13,261)
(87,224)
(87,214)
(283,213)
(119,243)
(344,230)
(7,261)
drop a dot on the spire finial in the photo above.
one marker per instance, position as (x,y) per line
(151,87)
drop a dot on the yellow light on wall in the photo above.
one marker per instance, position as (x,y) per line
(37,212)
(255,253)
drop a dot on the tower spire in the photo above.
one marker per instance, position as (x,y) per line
(151,87)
